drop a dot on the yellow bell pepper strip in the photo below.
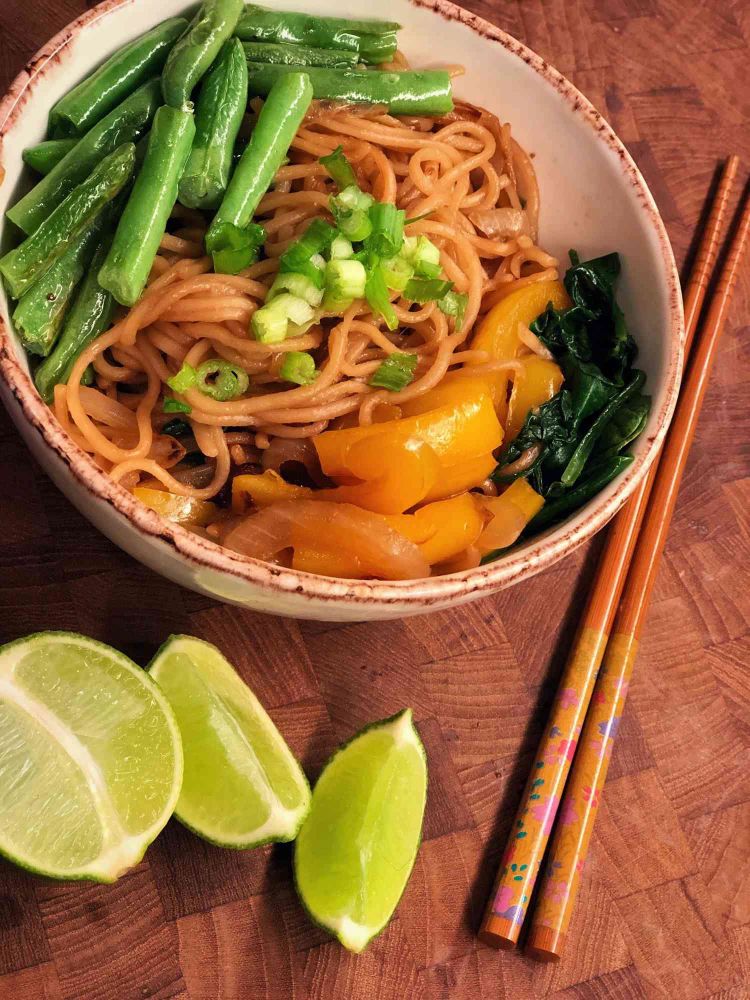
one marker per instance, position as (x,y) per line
(457,424)
(510,513)
(498,331)
(263,489)
(539,381)
(443,529)
(186,511)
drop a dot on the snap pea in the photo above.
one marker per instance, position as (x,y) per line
(263,25)
(41,311)
(218,116)
(89,316)
(47,155)
(280,54)
(426,92)
(286,105)
(115,80)
(126,123)
(194,53)
(38,252)
(141,227)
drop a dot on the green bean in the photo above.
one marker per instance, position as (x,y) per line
(41,311)
(126,123)
(218,117)
(263,25)
(38,252)
(89,316)
(377,48)
(139,233)
(115,80)
(47,155)
(194,53)
(280,54)
(426,92)
(282,113)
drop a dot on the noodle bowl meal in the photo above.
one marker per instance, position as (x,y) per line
(288,291)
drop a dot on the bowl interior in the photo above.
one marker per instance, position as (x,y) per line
(592,197)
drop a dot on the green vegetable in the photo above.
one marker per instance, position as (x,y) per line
(44,157)
(627,423)
(298,367)
(221,380)
(454,304)
(341,249)
(38,252)
(115,80)
(218,117)
(397,273)
(174,406)
(41,311)
(177,428)
(598,476)
(422,290)
(196,50)
(387,236)
(234,249)
(127,123)
(275,321)
(262,24)
(277,124)
(340,168)
(376,49)
(280,54)
(89,316)
(296,284)
(185,379)
(424,92)
(139,233)
(396,372)
(376,293)
(425,258)
(346,280)
(301,256)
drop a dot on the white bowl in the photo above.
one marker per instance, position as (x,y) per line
(593,199)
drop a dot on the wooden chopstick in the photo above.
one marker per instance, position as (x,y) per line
(532,825)
(580,804)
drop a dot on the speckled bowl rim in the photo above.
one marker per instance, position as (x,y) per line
(545,550)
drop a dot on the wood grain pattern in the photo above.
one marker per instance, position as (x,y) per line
(665,907)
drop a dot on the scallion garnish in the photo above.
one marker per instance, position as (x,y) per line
(422,290)
(299,258)
(175,406)
(387,236)
(339,168)
(233,249)
(298,367)
(376,293)
(184,379)
(454,304)
(221,380)
(396,372)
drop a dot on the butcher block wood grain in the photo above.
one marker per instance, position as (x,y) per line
(664,911)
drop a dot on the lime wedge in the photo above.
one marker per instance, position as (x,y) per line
(356,850)
(242,786)
(90,758)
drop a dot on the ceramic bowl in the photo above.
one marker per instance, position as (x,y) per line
(593,198)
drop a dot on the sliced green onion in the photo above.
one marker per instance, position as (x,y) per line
(299,285)
(340,168)
(396,372)
(356,225)
(184,379)
(387,235)
(341,249)
(233,249)
(376,293)
(298,367)
(222,380)
(351,209)
(424,290)
(345,281)
(303,256)
(426,259)
(175,406)
(271,323)
(352,199)
(176,428)
(397,272)
(454,304)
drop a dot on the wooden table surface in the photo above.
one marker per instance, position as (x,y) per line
(665,905)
